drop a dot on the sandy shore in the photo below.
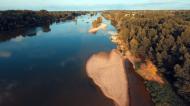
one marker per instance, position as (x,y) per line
(107,71)
(94,30)
(117,79)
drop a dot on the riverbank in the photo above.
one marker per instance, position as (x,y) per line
(16,19)
(125,87)
(138,31)
(117,79)
(49,68)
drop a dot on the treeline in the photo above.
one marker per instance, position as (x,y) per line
(163,37)
(66,15)
(15,19)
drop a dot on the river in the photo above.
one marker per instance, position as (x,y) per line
(45,66)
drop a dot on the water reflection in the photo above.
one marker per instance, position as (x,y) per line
(18,39)
(6,88)
(49,69)
(21,33)
(67,61)
(5,54)
(46,28)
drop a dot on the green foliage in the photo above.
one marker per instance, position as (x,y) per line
(15,19)
(162,95)
(11,19)
(164,37)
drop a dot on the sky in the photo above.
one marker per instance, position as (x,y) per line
(53,5)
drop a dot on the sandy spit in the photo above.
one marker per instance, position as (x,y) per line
(107,72)
(94,30)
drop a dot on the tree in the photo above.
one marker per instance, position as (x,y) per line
(134,46)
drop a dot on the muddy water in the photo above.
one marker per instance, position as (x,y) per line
(138,94)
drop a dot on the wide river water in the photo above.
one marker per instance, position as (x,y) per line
(45,66)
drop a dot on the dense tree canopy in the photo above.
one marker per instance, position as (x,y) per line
(163,37)
(15,19)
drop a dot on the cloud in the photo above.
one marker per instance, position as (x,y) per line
(6,90)
(18,39)
(5,54)
(65,62)
(94,5)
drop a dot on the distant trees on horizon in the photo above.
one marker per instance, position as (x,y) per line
(15,19)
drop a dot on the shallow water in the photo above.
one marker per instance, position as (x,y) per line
(45,66)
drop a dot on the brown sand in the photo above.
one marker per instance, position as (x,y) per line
(117,79)
(107,72)
(94,30)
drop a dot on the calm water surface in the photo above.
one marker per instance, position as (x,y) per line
(46,66)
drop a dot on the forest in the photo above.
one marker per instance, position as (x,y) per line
(15,19)
(164,38)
